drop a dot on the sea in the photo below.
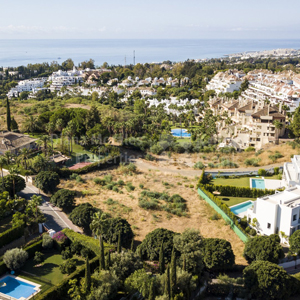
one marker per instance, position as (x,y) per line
(14,53)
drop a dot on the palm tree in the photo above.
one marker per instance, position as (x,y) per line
(14,171)
(8,157)
(24,156)
(30,124)
(3,162)
(44,140)
(35,201)
(50,128)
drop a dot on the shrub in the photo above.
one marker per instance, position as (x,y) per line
(250,149)
(157,149)
(10,235)
(252,232)
(68,266)
(276,171)
(215,217)
(47,241)
(115,189)
(66,254)
(149,157)
(47,181)
(262,172)
(38,257)
(64,199)
(99,181)
(108,178)
(15,258)
(12,183)
(199,165)
(252,162)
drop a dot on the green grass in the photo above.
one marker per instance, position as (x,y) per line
(234,200)
(49,271)
(182,141)
(240,182)
(44,285)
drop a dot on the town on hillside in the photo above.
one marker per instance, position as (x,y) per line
(171,180)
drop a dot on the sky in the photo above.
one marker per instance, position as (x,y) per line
(154,19)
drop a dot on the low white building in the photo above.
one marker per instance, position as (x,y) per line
(277,213)
(26,86)
(291,172)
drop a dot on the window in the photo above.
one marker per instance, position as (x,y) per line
(294,217)
(269,226)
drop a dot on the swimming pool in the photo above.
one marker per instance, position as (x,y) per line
(240,208)
(258,183)
(16,288)
(178,132)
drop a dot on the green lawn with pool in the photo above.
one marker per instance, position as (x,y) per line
(49,270)
(229,201)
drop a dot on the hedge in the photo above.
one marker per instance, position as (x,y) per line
(86,241)
(10,235)
(223,290)
(60,290)
(31,249)
(101,164)
(234,191)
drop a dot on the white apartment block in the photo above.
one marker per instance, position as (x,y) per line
(26,86)
(277,213)
(291,172)
(226,82)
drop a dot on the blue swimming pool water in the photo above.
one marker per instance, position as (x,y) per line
(241,207)
(258,183)
(16,288)
(178,132)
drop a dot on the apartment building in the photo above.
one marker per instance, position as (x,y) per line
(26,86)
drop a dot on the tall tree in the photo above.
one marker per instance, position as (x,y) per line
(167,290)
(3,162)
(119,243)
(161,259)
(8,116)
(173,277)
(102,257)
(87,275)
(152,291)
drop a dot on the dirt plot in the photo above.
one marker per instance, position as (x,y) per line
(143,221)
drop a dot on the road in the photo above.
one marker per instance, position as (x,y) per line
(56,219)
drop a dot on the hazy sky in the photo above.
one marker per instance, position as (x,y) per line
(149,19)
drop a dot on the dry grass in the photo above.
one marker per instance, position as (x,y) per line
(144,221)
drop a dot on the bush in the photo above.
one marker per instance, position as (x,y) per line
(38,257)
(199,165)
(47,241)
(13,183)
(64,199)
(15,258)
(150,157)
(66,254)
(99,181)
(276,171)
(68,267)
(157,149)
(250,149)
(252,232)
(252,162)
(262,172)
(10,235)
(47,181)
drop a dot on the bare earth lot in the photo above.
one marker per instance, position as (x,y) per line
(144,221)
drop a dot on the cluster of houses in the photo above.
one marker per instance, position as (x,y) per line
(30,85)
(254,124)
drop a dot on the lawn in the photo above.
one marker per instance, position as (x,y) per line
(240,182)
(49,271)
(234,200)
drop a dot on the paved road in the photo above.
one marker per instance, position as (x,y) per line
(56,219)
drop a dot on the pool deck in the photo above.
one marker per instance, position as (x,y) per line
(270,184)
(36,288)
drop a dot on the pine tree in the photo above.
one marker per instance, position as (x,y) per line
(87,275)
(161,259)
(8,116)
(14,124)
(102,259)
(152,291)
(119,243)
(167,290)
(173,273)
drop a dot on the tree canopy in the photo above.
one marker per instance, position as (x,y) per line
(47,181)
(64,199)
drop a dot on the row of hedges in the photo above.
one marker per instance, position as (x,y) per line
(234,191)
(60,290)
(101,164)
(10,235)
(223,207)
(223,290)
(86,241)
(31,249)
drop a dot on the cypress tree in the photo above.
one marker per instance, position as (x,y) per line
(132,245)
(167,290)
(119,243)
(173,273)
(102,259)
(8,116)
(140,252)
(108,260)
(152,291)
(87,275)
(161,259)
(184,264)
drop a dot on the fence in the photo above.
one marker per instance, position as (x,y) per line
(238,232)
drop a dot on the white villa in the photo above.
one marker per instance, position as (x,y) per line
(291,172)
(277,213)
(26,86)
